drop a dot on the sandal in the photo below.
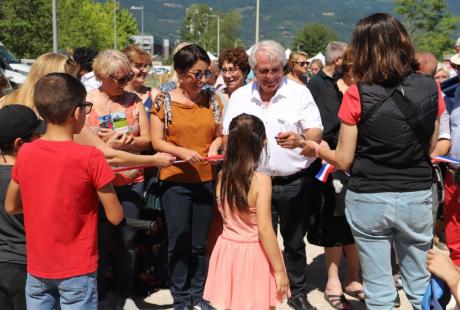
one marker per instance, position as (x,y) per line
(358,294)
(337,301)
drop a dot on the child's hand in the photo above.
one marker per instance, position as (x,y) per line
(442,266)
(282,282)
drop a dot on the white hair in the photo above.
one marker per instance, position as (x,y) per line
(334,50)
(273,50)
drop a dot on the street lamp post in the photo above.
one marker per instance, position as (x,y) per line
(141,8)
(55,41)
(115,24)
(218,33)
(257,20)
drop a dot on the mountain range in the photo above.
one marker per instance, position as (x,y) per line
(279,19)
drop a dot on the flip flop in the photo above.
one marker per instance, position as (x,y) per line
(358,294)
(338,301)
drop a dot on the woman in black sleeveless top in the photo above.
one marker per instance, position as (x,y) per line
(389,193)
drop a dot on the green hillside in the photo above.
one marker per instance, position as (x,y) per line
(279,19)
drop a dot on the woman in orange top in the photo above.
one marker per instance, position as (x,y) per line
(187,123)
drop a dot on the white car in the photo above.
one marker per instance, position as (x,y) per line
(15,71)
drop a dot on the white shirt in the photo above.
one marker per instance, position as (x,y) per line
(89,81)
(292,108)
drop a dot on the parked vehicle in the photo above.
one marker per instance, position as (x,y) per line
(15,71)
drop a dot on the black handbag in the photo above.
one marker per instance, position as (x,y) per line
(153,193)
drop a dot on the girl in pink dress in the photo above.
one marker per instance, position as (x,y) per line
(246,270)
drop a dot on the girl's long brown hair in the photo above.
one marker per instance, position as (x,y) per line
(383,50)
(246,141)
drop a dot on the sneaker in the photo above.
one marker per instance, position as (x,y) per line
(300,302)
(203,305)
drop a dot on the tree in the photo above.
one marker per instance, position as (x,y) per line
(200,26)
(313,38)
(26,25)
(429,23)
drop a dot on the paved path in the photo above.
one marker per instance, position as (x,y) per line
(162,299)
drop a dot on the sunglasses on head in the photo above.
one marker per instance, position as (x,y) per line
(198,75)
(124,79)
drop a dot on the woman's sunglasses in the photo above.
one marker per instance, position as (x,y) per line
(198,75)
(124,79)
(301,63)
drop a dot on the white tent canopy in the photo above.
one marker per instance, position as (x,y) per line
(319,56)
(212,57)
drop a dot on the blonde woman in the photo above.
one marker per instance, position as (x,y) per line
(119,118)
(46,63)
(297,67)
(53,62)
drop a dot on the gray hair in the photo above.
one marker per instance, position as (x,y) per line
(334,50)
(272,49)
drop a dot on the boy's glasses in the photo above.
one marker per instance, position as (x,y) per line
(198,75)
(124,79)
(142,67)
(87,106)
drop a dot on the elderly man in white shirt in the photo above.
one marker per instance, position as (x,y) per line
(284,106)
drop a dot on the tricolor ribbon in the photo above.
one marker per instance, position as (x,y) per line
(180,161)
(445,159)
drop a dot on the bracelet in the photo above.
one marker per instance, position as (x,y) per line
(317,149)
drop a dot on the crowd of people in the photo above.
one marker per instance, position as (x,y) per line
(237,162)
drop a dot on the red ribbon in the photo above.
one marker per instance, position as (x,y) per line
(180,161)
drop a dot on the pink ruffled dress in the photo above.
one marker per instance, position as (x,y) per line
(239,275)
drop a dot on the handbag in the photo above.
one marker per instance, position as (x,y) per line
(153,193)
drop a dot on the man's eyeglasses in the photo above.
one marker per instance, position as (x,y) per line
(230,71)
(86,105)
(273,71)
(143,67)
(301,63)
(124,79)
(198,75)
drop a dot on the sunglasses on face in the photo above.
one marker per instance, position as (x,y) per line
(87,106)
(124,79)
(198,75)
(142,67)
(301,63)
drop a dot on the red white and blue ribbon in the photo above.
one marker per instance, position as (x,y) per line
(446,159)
(324,172)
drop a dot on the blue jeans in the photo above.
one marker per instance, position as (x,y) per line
(379,219)
(73,293)
(188,210)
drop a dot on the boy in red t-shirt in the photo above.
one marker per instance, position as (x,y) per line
(57,184)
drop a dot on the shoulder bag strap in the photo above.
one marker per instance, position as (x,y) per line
(365,117)
(411,116)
